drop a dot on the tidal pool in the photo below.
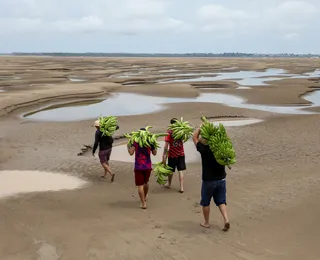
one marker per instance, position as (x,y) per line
(124,104)
(246,78)
(77,80)
(16,182)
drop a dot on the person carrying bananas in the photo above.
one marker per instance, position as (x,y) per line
(142,168)
(105,148)
(213,182)
(174,152)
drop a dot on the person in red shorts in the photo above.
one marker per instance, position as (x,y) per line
(142,169)
(174,152)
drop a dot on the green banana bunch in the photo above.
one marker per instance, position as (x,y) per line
(144,138)
(108,125)
(219,142)
(181,130)
(162,171)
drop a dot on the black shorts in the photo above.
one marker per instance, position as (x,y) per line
(177,162)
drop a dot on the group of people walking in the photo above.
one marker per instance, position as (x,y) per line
(213,174)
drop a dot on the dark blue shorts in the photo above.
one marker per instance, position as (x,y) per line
(213,189)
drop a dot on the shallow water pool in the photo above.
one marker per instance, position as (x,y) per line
(13,183)
(124,104)
(246,78)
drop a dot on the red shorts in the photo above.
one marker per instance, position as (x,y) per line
(142,177)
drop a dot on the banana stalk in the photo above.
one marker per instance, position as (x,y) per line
(144,138)
(219,142)
(181,130)
(162,171)
(108,125)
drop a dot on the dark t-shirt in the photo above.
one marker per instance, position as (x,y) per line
(104,142)
(211,169)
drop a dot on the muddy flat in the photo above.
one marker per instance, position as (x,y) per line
(54,205)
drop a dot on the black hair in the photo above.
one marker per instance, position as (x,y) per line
(143,129)
(173,120)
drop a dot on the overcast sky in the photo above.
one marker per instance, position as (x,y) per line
(262,26)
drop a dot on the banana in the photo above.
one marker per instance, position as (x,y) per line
(219,142)
(144,138)
(108,125)
(161,172)
(181,130)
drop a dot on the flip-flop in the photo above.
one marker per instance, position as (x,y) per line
(226,227)
(143,207)
(112,178)
(203,225)
(103,177)
(181,191)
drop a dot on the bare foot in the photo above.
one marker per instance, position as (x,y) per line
(205,225)
(103,177)
(181,191)
(226,226)
(167,186)
(143,206)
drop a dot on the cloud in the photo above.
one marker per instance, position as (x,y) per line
(121,16)
(279,16)
(161,25)
(290,36)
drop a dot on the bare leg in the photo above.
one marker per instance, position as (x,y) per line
(107,170)
(142,197)
(206,214)
(168,184)
(146,189)
(224,213)
(181,182)
(111,173)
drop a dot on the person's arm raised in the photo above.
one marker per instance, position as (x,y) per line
(131,149)
(196,135)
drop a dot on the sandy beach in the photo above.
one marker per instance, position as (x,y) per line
(272,190)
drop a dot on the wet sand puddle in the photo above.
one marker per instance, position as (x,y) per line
(246,78)
(121,104)
(77,80)
(119,153)
(13,183)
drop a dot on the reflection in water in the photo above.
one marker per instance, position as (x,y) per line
(123,104)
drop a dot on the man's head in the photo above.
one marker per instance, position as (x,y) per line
(173,120)
(143,129)
(97,124)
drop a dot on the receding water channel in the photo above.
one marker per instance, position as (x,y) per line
(124,104)
(243,78)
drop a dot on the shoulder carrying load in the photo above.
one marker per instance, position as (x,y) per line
(219,142)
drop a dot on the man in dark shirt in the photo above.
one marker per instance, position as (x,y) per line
(105,148)
(213,182)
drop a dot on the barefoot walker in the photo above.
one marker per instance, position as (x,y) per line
(142,146)
(178,133)
(104,142)
(213,182)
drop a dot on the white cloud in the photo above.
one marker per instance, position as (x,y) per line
(290,36)
(121,16)
(282,15)
(190,25)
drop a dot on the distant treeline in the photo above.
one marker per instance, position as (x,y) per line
(225,54)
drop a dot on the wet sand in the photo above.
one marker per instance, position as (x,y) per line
(273,190)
